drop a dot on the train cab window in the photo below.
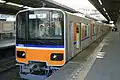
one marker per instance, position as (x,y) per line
(38,24)
(45,25)
(41,26)
(56,22)
(21,25)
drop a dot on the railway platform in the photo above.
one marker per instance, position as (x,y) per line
(107,66)
(4,43)
(97,62)
(59,40)
(7,48)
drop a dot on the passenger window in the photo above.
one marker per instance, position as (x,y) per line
(77,30)
(86,30)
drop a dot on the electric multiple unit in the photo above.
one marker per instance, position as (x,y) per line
(47,38)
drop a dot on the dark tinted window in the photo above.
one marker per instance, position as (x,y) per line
(21,25)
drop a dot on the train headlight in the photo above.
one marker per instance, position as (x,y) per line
(21,54)
(56,57)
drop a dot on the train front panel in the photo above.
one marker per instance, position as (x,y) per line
(40,36)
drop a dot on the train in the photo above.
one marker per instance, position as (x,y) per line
(47,38)
(7,29)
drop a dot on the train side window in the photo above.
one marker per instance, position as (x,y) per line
(86,30)
(77,29)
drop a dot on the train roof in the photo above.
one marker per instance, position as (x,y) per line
(33,9)
(74,14)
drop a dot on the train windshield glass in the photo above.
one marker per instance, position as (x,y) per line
(45,25)
(21,25)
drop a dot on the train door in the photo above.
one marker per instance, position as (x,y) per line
(70,42)
(90,31)
(78,36)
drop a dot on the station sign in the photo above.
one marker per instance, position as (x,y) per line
(3,16)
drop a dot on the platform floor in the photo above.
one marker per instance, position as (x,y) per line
(71,70)
(7,43)
(108,66)
(103,63)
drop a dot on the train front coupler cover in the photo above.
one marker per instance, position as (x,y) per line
(36,70)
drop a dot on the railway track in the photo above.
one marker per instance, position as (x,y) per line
(7,52)
(7,64)
(7,58)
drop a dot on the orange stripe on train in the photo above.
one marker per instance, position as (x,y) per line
(40,55)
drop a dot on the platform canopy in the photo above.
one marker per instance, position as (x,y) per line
(13,6)
(109,8)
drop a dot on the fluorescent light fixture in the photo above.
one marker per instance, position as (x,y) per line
(100,2)
(10,19)
(27,7)
(106,13)
(109,17)
(104,9)
(14,4)
(111,22)
(1,1)
(119,10)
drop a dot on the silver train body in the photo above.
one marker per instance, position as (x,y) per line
(89,31)
(77,33)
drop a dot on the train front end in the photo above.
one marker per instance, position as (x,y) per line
(40,40)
